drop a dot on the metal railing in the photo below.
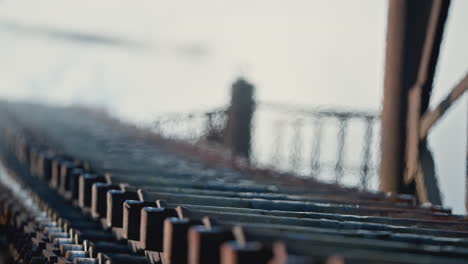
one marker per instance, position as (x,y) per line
(192,126)
(325,144)
(294,139)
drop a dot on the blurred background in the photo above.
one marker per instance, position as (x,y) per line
(145,60)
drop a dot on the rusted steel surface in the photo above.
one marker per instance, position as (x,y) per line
(167,210)
(431,117)
(414,34)
(419,164)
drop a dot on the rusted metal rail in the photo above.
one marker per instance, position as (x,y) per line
(85,190)
(414,33)
(414,36)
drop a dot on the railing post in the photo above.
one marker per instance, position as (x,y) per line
(277,144)
(342,130)
(296,146)
(316,148)
(237,136)
(366,155)
(211,133)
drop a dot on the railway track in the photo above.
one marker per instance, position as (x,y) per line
(75,189)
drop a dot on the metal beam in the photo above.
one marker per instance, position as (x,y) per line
(414,34)
(430,118)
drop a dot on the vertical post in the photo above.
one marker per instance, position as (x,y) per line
(407,34)
(366,156)
(277,143)
(343,124)
(316,148)
(238,129)
(296,146)
(212,134)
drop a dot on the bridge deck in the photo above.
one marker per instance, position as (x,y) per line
(80,186)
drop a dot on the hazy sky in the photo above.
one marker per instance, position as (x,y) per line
(143,58)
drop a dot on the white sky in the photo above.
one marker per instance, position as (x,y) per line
(186,54)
